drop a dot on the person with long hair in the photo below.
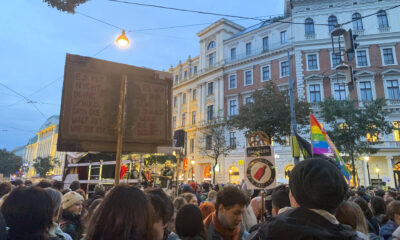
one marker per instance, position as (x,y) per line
(124,214)
(391,220)
(28,212)
(55,230)
(373,227)
(350,213)
(189,223)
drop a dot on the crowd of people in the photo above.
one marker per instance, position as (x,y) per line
(316,204)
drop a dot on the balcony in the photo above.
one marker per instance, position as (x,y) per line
(384,29)
(257,52)
(309,36)
(360,32)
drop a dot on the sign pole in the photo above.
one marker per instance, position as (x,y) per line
(120,128)
(262,205)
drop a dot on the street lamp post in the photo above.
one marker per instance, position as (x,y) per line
(369,178)
(192,162)
(377,170)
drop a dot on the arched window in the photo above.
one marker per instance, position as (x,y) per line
(309,27)
(332,22)
(382,19)
(357,22)
(211,45)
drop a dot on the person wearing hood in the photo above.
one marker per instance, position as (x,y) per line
(70,223)
(316,189)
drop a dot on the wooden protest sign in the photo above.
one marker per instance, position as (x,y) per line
(260,172)
(90,107)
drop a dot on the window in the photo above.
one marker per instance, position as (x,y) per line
(248,78)
(332,22)
(210,88)
(284,69)
(357,22)
(232,81)
(183,119)
(372,137)
(194,94)
(396,125)
(193,117)
(266,74)
(315,93)
(184,98)
(195,70)
(175,101)
(211,45)
(336,59)
(174,122)
(233,53)
(249,100)
(382,19)
(283,37)
(339,91)
(388,58)
(192,145)
(210,112)
(365,91)
(393,89)
(362,60)
(208,142)
(232,140)
(185,74)
(265,44)
(309,26)
(176,78)
(211,57)
(248,49)
(232,107)
(312,62)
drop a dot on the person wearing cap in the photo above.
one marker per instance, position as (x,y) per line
(316,189)
(70,223)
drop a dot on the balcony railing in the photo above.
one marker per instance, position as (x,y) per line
(393,102)
(257,52)
(384,29)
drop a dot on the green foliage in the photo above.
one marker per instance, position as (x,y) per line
(43,165)
(349,124)
(270,113)
(9,162)
(65,5)
(159,159)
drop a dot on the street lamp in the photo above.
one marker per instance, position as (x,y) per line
(122,41)
(366,159)
(377,170)
(230,172)
(192,162)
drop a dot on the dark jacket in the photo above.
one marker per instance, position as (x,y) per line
(387,230)
(71,224)
(303,224)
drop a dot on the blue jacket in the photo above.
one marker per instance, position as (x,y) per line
(387,230)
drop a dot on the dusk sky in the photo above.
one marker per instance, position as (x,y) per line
(35,39)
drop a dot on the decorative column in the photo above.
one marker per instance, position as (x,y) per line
(390,170)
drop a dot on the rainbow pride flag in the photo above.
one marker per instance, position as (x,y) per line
(322,145)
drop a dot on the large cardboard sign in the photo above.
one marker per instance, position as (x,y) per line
(89,108)
(260,167)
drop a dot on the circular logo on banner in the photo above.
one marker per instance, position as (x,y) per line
(261,172)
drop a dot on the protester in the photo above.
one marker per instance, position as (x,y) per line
(179,202)
(391,220)
(224,222)
(43,184)
(99,193)
(189,223)
(59,185)
(3,227)
(204,193)
(256,206)
(212,197)
(18,183)
(28,212)
(280,200)
(190,198)
(90,211)
(317,187)
(350,213)
(164,211)
(55,230)
(5,188)
(124,214)
(75,185)
(373,227)
(70,223)
(378,208)
(206,209)
(28,183)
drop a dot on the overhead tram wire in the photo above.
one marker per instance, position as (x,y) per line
(372,14)
(27,99)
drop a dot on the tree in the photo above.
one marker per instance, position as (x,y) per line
(213,143)
(270,113)
(65,5)
(159,159)
(9,162)
(351,121)
(43,165)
